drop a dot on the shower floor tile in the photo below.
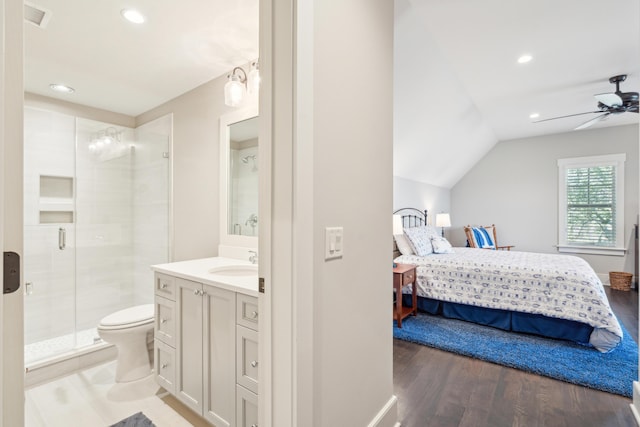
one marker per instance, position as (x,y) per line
(93,398)
(41,350)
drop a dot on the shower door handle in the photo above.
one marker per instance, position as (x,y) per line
(62,238)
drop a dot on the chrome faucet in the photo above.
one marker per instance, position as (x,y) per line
(253,257)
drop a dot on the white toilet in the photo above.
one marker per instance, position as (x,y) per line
(128,330)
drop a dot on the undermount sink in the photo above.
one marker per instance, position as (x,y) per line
(235,270)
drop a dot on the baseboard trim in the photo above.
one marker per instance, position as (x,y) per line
(635,406)
(388,415)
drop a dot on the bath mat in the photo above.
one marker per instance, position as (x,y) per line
(135,420)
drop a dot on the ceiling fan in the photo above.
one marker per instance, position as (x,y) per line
(608,103)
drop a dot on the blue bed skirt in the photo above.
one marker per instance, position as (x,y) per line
(508,320)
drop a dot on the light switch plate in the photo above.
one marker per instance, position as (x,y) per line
(334,243)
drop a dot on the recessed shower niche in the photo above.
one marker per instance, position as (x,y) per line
(96,209)
(56,199)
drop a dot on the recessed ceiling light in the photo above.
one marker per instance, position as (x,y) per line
(534,115)
(61,88)
(132,15)
(524,59)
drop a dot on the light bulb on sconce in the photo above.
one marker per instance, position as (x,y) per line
(253,85)
(239,83)
(235,88)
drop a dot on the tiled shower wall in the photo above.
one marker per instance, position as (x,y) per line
(244,188)
(119,227)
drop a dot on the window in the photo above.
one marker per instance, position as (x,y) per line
(591,205)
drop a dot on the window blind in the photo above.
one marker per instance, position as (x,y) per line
(591,206)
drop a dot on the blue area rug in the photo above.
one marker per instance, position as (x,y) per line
(613,372)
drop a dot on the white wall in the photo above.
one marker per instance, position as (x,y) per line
(195,167)
(347,163)
(515,186)
(413,194)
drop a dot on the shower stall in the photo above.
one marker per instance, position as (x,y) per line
(96,215)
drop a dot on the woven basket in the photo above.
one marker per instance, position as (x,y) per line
(620,281)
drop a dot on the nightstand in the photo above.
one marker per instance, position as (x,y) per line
(403,275)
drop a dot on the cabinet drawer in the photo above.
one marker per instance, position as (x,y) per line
(164,366)
(408,277)
(165,286)
(165,321)
(247,354)
(247,311)
(247,408)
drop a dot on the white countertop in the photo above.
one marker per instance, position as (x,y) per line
(197,270)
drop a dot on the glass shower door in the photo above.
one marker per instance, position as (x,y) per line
(49,234)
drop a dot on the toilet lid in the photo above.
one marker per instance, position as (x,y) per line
(136,314)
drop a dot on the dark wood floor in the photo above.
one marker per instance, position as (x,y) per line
(436,388)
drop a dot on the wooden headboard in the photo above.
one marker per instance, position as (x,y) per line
(411,217)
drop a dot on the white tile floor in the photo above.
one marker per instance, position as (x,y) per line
(92,398)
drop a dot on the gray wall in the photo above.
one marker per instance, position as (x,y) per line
(413,194)
(515,186)
(196,167)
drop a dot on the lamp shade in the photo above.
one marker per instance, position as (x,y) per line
(397,225)
(443,220)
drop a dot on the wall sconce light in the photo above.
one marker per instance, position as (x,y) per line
(239,83)
(235,88)
(254,78)
(443,220)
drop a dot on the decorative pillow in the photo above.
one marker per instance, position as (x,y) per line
(482,237)
(420,240)
(441,245)
(403,244)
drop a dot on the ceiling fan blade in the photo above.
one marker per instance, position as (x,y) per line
(592,121)
(609,99)
(570,115)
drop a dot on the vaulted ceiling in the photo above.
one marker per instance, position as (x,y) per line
(459,88)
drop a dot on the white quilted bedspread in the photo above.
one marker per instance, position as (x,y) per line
(559,286)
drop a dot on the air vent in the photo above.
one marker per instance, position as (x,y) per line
(36,15)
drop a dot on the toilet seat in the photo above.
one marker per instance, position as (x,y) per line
(128,318)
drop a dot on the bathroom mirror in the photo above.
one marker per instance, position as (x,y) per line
(239,178)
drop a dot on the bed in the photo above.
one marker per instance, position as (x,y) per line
(556,296)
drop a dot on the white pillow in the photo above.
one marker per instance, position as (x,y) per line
(441,245)
(403,244)
(420,240)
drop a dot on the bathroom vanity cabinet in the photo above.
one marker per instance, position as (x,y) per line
(206,346)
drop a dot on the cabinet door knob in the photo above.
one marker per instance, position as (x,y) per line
(163,320)
(254,314)
(254,363)
(163,286)
(164,366)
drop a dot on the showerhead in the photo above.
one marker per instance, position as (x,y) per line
(245,159)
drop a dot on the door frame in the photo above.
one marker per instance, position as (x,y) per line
(11,206)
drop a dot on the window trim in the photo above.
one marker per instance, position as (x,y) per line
(616,160)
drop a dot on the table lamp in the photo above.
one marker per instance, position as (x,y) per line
(443,220)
